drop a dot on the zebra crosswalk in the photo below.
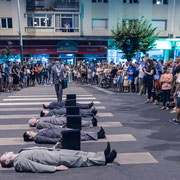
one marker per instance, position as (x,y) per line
(24,106)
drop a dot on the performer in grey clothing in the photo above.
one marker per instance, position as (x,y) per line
(53,135)
(62,111)
(46,160)
(55,122)
(60,104)
(57,77)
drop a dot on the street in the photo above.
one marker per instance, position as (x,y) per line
(146,142)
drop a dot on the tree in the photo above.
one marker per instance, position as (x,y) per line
(134,36)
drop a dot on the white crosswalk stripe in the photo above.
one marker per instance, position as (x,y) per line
(26,126)
(45,99)
(38,109)
(38,96)
(109,138)
(37,103)
(24,116)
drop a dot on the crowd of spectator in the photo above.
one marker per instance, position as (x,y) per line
(157,80)
(14,76)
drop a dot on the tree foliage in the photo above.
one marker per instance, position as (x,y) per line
(134,36)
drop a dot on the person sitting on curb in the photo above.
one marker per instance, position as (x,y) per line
(46,160)
(61,104)
(53,135)
(55,122)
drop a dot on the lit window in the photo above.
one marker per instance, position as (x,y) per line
(39,20)
(100,23)
(160,2)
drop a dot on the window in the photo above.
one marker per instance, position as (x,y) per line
(160,2)
(5,23)
(39,20)
(160,24)
(130,1)
(100,23)
(101,1)
(67,22)
(128,21)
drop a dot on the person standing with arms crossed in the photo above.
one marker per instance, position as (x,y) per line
(57,77)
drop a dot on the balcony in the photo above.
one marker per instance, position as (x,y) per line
(33,5)
(66,6)
(53,5)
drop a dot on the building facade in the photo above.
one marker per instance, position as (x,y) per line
(82,28)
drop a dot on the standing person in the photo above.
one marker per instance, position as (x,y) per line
(166,80)
(15,71)
(45,74)
(58,72)
(149,71)
(130,72)
(89,75)
(140,78)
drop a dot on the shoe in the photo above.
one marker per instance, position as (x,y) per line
(94,112)
(101,133)
(147,101)
(91,105)
(42,114)
(44,106)
(94,121)
(174,121)
(107,150)
(110,158)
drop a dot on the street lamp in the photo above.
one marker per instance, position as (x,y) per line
(20,31)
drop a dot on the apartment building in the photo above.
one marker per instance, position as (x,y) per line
(82,28)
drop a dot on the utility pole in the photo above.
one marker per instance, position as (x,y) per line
(20,31)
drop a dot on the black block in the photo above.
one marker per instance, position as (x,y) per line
(70,102)
(72,110)
(71,139)
(74,121)
(71,96)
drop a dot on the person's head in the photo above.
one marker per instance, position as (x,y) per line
(7,159)
(32,122)
(29,135)
(150,63)
(155,62)
(146,56)
(57,63)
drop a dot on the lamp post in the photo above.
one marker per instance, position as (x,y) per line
(20,31)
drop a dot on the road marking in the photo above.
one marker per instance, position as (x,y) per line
(123,159)
(103,90)
(38,109)
(114,138)
(135,158)
(31,96)
(43,99)
(37,103)
(28,116)
(109,138)
(109,124)
(26,126)
(105,115)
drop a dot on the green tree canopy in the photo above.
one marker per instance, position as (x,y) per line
(134,36)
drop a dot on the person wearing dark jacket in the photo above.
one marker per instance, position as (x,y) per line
(49,160)
(62,111)
(60,104)
(55,122)
(53,135)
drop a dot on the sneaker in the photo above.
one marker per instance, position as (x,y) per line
(174,121)
(147,101)
(110,158)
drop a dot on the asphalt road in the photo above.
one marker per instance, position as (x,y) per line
(147,144)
